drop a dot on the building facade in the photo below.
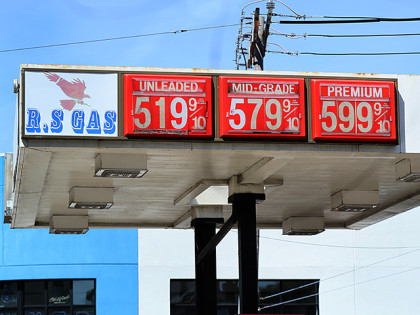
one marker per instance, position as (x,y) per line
(375,270)
(151,271)
(43,273)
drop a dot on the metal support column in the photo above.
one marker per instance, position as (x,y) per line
(205,271)
(245,205)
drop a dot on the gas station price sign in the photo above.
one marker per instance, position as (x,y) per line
(167,106)
(353,110)
(254,107)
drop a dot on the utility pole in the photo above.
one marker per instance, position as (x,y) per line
(270,6)
(255,26)
(260,34)
(259,51)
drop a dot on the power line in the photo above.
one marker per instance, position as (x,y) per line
(315,294)
(361,35)
(118,38)
(326,22)
(349,20)
(296,36)
(347,17)
(338,275)
(336,246)
(246,57)
(258,35)
(360,54)
(285,51)
(292,35)
(371,17)
(344,54)
(297,15)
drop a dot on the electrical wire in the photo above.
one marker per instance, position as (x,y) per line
(344,54)
(315,294)
(250,4)
(349,20)
(337,246)
(118,38)
(354,17)
(361,35)
(240,51)
(295,36)
(278,45)
(370,17)
(298,16)
(284,15)
(326,22)
(338,275)
(281,52)
(361,54)
(292,36)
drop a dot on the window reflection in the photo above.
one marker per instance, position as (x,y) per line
(83,292)
(83,310)
(35,311)
(58,292)
(34,293)
(59,311)
(48,297)
(8,294)
(183,296)
(289,301)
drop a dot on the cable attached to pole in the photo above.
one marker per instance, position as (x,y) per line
(118,38)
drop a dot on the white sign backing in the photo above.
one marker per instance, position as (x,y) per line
(71,104)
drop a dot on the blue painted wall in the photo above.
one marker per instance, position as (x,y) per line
(109,256)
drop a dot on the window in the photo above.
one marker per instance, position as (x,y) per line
(9,298)
(183,299)
(48,297)
(307,306)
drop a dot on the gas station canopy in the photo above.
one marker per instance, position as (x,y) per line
(123,147)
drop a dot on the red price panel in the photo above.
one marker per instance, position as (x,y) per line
(262,108)
(352,110)
(167,106)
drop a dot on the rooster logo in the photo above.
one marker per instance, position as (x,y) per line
(74,89)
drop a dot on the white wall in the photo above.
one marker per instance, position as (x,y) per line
(169,254)
(347,286)
(409,101)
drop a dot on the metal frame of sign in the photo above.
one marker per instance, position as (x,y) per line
(354,110)
(168,106)
(57,98)
(217,124)
(262,108)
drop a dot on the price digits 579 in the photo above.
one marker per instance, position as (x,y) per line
(259,114)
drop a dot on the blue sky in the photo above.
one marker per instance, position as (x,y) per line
(27,23)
